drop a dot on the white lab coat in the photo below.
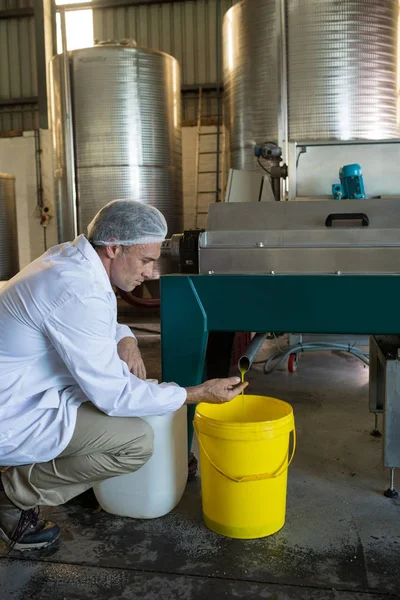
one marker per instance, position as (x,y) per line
(58,348)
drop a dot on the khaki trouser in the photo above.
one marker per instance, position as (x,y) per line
(101,447)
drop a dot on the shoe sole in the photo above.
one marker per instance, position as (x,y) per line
(26,547)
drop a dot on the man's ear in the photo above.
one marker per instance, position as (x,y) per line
(112,251)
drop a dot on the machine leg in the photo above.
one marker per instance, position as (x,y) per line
(391,414)
(384,397)
(391,492)
(376,384)
(184,337)
(375,432)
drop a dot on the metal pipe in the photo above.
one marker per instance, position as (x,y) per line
(284,117)
(282,62)
(391,492)
(392,471)
(276,187)
(53,17)
(41,62)
(38,164)
(247,358)
(71,210)
(219,103)
(376,422)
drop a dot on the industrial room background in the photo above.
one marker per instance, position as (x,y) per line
(212,110)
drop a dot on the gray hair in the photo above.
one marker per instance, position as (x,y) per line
(127,223)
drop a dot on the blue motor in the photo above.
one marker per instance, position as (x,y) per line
(351,186)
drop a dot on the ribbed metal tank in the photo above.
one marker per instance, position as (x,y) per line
(9,263)
(251,78)
(341,72)
(126,131)
(342,69)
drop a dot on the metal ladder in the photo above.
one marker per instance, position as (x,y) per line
(202,173)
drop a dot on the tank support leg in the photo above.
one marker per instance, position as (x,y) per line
(391,492)
(375,432)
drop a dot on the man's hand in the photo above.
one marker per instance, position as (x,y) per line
(215,391)
(129,352)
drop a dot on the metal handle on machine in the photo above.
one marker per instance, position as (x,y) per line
(347,217)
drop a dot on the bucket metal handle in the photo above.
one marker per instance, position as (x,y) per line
(247,478)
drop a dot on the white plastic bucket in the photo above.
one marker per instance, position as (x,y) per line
(156,488)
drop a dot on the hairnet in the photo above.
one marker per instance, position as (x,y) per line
(127,223)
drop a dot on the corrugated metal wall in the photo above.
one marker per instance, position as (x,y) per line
(18,68)
(187,30)
(184,29)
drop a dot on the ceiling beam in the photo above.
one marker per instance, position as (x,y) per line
(16,13)
(18,101)
(99,4)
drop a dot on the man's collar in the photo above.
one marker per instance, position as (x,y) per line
(90,253)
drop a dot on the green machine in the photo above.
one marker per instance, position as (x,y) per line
(288,267)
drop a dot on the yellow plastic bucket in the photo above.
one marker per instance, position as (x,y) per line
(244,459)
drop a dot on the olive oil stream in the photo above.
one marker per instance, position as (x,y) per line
(243,371)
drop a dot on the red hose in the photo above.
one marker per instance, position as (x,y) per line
(142,302)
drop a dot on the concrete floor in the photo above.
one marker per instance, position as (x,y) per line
(341,539)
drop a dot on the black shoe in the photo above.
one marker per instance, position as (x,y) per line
(22,529)
(192,467)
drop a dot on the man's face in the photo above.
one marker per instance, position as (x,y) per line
(132,265)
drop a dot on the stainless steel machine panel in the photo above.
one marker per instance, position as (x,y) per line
(263,216)
(9,263)
(248,261)
(295,237)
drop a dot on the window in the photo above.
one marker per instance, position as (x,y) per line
(79,25)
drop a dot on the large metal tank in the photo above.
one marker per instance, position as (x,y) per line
(337,59)
(125,134)
(342,69)
(9,262)
(251,78)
